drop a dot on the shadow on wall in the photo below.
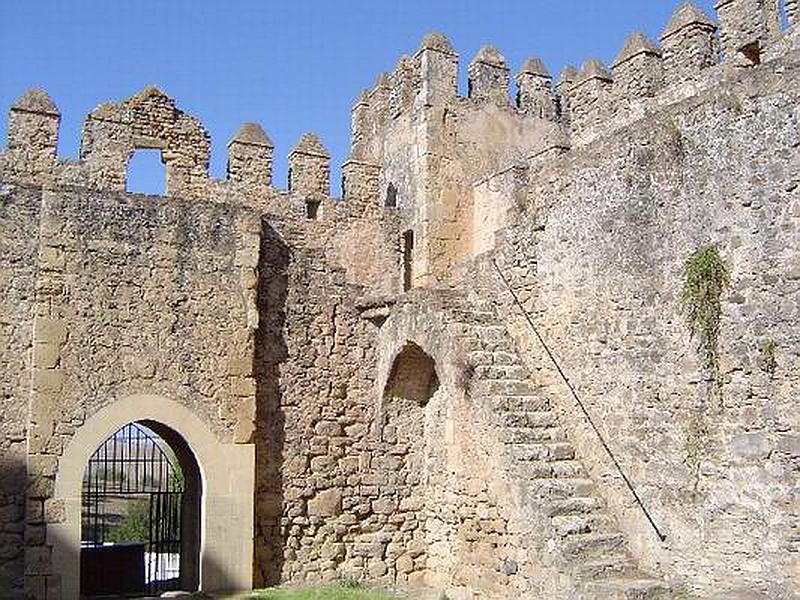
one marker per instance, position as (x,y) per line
(13,476)
(270,352)
(33,577)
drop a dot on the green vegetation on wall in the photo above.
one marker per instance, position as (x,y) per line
(705,278)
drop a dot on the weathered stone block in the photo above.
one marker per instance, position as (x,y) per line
(327,503)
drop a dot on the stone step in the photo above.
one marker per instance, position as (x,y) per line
(530,418)
(520,403)
(479,358)
(553,469)
(576,506)
(530,435)
(490,372)
(588,545)
(544,451)
(597,522)
(506,358)
(471,343)
(468,316)
(559,488)
(627,588)
(505,387)
(604,567)
(486,331)
(487,358)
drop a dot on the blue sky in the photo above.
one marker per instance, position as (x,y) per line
(292,66)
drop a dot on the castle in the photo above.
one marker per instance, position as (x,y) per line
(473,373)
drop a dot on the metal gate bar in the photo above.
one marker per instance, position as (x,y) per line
(134,464)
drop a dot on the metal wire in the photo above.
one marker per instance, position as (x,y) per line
(585,412)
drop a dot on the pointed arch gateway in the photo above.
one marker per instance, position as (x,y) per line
(140,513)
(219,483)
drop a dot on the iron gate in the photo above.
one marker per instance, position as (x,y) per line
(132,515)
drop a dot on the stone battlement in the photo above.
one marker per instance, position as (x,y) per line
(113,131)
(583,102)
(582,99)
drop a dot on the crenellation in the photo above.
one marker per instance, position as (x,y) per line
(638,71)
(150,112)
(403,86)
(250,159)
(33,123)
(566,79)
(379,99)
(489,77)
(114,131)
(360,125)
(310,171)
(187,158)
(689,44)
(590,96)
(535,90)
(747,28)
(437,65)
(107,146)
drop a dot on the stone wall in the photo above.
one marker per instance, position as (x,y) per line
(598,262)
(19,213)
(314,380)
(132,296)
(274,316)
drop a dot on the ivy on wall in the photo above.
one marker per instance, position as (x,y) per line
(705,278)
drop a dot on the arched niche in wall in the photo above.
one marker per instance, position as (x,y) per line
(413,376)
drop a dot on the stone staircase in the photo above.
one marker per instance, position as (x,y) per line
(594,551)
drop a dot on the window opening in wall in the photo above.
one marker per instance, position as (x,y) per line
(752,52)
(312,209)
(289,180)
(146,173)
(408,251)
(391,196)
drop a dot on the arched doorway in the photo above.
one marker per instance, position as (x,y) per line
(226,472)
(140,513)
